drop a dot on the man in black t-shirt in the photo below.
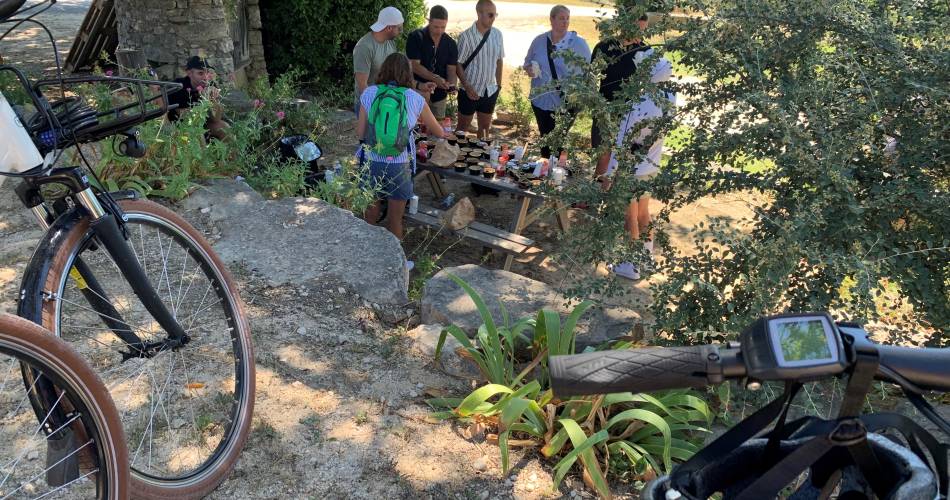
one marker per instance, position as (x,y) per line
(434,56)
(621,65)
(197,82)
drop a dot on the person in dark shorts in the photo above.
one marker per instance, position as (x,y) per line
(621,65)
(197,82)
(481,58)
(434,55)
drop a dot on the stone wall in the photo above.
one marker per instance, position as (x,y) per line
(168,32)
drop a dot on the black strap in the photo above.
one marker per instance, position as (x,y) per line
(732,439)
(859,382)
(914,434)
(551,59)
(477,49)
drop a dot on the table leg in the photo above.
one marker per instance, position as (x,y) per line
(563,221)
(517,226)
(435,182)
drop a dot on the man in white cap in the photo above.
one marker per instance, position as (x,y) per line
(371,50)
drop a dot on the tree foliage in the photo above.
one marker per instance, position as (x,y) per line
(831,120)
(317,36)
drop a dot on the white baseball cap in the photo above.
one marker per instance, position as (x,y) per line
(389,16)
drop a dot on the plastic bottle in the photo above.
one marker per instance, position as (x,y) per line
(447,125)
(19,152)
(338,168)
(422,151)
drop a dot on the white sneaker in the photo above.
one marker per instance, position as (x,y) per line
(410,265)
(626,270)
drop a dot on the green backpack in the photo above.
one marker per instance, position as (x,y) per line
(388,132)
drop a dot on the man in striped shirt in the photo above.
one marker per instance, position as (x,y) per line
(479,69)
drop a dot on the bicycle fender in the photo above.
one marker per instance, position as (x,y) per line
(30,304)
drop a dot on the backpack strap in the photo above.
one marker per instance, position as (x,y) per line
(477,49)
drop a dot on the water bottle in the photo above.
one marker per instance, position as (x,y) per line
(20,153)
(414,205)
(338,168)
(328,175)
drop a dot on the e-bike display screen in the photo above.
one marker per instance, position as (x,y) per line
(798,346)
(802,341)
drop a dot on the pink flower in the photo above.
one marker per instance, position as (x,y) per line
(280,115)
(258,103)
(108,72)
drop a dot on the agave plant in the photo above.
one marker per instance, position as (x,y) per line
(644,433)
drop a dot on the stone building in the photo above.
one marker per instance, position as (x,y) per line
(163,34)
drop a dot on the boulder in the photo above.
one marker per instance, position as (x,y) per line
(460,215)
(424,340)
(303,241)
(444,302)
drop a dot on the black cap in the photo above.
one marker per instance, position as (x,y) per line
(196,62)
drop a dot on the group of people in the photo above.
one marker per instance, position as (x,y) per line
(420,81)
(435,65)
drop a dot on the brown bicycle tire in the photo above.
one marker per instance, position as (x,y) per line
(205,482)
(57,356)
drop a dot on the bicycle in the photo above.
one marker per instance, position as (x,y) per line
(79,427)
(852,456)
(132,286)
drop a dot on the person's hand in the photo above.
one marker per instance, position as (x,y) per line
(441,83)
(470,92)
(428,87)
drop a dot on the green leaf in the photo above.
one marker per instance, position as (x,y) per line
(583,449)
(479,396)
(652,419)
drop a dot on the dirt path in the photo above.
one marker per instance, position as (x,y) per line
(28,47)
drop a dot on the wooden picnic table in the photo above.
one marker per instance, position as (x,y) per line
(513,243)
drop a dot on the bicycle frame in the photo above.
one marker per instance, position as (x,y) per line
(109,234)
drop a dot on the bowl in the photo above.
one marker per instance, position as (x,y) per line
(460,167)
(488,172)
(474,169)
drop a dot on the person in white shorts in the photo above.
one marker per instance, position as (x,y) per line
(637,217)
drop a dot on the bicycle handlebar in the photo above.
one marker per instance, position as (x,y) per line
(658,368)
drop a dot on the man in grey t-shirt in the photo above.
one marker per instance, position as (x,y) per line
(371,50)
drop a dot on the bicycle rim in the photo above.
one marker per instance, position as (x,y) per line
(72,447)
(186,412)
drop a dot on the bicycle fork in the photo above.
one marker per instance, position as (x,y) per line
(111,236)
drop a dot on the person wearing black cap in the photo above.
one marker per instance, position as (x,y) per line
(198,82)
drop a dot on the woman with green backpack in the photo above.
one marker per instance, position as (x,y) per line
(389,111)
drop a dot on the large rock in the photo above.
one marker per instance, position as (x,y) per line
(447,303)
(299,241)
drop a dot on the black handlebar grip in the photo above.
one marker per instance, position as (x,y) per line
(635,370)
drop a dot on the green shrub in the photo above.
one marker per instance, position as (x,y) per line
(636,435)
(319,35)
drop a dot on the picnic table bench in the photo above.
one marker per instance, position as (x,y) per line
(510,240)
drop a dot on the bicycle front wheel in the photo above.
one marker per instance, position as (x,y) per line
(73,445)
(186,410)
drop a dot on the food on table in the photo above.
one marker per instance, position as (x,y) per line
(488,172)
(460,166)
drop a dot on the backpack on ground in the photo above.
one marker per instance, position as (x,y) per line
(388,131)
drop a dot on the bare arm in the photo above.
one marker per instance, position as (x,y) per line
(421,71)
(361,83)
(499,69)
(453,75)
(432,125)
(361,123)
